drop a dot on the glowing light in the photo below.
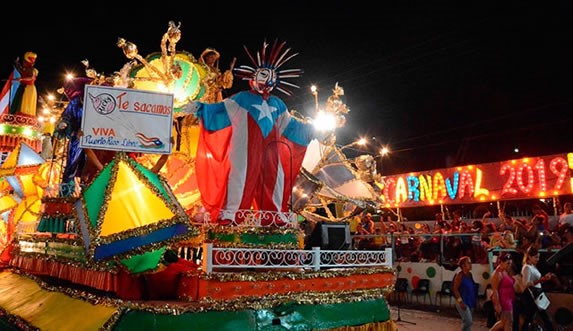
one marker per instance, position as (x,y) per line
(425,187)
(516,150)
(529,171)
(540,167)
(69,76)
(28,132)
(480,190)
(314,91)
(507,186)
(324,122)
(384,151)
(161,87)
(466,181)
(439,187)
(413,188)
(560,168)
(453,188)
(401,190)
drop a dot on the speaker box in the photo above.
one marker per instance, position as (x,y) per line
(330,236)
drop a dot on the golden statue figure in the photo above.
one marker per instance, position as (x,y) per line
(215,81)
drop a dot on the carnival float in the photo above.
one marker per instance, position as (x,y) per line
(164,205)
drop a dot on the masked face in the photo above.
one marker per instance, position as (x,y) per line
(264,80)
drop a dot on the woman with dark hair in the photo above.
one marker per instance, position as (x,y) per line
(531,280)
(503,295)
(464,289)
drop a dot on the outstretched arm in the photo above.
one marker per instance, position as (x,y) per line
(93,159)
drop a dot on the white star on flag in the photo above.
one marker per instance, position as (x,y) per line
(265,110)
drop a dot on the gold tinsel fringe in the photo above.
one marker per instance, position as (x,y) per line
(378,326)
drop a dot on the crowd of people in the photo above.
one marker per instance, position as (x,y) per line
(418,242)
(513,294)
(518,243)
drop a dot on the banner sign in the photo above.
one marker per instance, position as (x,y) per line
(128,120)
(527,178)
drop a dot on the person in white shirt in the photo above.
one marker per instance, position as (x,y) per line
(531,277)
(566,219)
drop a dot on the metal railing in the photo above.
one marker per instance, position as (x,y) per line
(256,218)
(315,259)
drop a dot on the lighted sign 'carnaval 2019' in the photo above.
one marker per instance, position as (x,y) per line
(533,177)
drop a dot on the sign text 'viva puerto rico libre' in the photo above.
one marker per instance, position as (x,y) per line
(128,120)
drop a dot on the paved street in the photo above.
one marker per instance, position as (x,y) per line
(433,321)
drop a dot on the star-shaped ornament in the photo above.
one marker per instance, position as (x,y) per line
(265,110)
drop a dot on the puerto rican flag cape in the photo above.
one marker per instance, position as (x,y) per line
(249,153)
(9,90)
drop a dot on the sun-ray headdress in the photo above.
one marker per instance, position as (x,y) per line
(265,75)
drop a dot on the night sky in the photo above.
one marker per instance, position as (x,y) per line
(442,84)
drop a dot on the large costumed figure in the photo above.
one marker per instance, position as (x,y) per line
(70,125)
(250,147)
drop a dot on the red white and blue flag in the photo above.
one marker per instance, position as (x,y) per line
(148,142)
(8,91)
(249,154)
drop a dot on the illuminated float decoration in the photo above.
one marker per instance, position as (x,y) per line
(21,197)
(18,99)
(128,215)
(179,171)
(126,208)
(328,176)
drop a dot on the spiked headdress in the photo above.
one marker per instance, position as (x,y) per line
(265,75)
